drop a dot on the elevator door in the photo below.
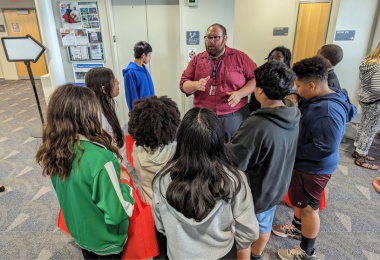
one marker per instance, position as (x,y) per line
(157,22)
(311,30)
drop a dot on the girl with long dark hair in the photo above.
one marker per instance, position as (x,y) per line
(106,87)
(200,192)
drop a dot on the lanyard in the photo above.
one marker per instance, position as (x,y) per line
(212,66)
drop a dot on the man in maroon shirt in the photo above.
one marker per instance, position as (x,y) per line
(221,79)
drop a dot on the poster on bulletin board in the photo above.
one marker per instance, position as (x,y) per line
(81,32)
(80,70)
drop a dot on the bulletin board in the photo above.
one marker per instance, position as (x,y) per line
(81,33)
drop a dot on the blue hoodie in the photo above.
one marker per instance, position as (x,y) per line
(322,125)
(137,83)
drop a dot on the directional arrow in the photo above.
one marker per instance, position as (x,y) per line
(22,48)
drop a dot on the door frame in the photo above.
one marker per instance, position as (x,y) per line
(39,31)
(327,23)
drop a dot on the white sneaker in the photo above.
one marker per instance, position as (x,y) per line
(287,230)
(296,254)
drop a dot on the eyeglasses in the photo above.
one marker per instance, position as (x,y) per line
(215,38)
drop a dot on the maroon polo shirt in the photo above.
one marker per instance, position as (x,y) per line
(235,70)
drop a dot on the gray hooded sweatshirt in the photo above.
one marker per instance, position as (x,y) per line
(211,238)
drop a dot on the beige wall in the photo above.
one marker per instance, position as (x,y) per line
(354,15)
(255,20)
(199,19)
(8,69)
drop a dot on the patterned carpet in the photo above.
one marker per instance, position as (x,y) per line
(350,224)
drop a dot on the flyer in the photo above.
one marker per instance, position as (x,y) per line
(79,53)
(81,36)
(97,52)
(94,35)
(68,37)
(80,70)
(94,24)
(93,17)
(70,15)
(16,28)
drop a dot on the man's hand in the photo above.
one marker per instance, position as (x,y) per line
(376,184)
(202,83)
(234,98)
(124,175)
(293,97)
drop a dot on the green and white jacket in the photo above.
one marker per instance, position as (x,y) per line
(95,204)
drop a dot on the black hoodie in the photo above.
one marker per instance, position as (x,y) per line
(265,146)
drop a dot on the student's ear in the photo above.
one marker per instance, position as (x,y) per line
(143,56)
(104,91)
(312,86)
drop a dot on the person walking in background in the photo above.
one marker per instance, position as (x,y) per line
(137,80)
(369,100)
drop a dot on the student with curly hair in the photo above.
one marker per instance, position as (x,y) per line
(153,123)
(325,112)
(78,156)
(200,192)
(280,53)
(266,144)
(106,87)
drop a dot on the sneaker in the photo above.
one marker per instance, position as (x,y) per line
(287,230)
(296,254)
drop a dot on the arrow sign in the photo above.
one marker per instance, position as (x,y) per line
(22,48)
(26,49)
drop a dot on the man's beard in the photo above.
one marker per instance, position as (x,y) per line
(216,51)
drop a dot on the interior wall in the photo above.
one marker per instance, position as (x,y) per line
(376,36)
(199,19)
(354,15)
(255,20)
(8,70)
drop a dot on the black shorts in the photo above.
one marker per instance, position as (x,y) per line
(306,189)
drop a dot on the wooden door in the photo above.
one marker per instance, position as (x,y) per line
(27,24)
(311,30)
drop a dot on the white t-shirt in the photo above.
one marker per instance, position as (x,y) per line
(122,151)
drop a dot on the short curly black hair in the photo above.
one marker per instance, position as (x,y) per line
(153,121)
(275,78)
(332,52)
(312,68)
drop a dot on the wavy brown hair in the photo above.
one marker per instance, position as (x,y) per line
(153,121)
(72,111)
(96,79)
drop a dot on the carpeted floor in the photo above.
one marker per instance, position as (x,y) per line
(350,224)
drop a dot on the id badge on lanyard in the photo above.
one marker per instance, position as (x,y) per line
(213,86)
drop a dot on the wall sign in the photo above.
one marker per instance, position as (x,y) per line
(2,28)
(345,35)
(280,31)
(16,27)
(192,53)
(192,37)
